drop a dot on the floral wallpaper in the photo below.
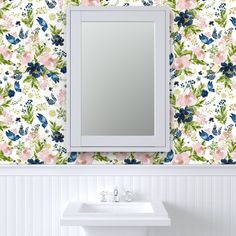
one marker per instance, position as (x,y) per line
(33,81)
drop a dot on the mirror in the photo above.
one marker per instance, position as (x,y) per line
(118,92)
(118,79)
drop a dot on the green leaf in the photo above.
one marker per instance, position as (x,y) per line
(226,81)
(54,127)
(3,61)
(191,29)
(198,91)
(29,19)
(158,159)
(222,19)
(2,126)
(196,157)
(193,125)
(75,2)
(232,147)
(171,3)
(180,51)
(187,72)
(32,81)
(98,157)
(6,7)
(3,30)
(29,116)
(199,7)
(39,146)
(4,158)
(180,146)
(39,50)
(4,91)
(54,30)
(222,116)
(196,61)
(172,100)
(232,50)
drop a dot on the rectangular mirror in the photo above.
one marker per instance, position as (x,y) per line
(118,95)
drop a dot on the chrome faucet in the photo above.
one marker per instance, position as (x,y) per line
(103,196)
(128,196)
(116,195)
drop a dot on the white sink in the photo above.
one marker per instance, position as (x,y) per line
(92,214)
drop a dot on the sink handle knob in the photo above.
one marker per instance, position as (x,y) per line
(128,196)
(103,196)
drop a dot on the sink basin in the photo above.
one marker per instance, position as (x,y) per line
(115,214)
(116,208)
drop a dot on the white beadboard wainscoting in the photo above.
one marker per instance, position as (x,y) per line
(201,200)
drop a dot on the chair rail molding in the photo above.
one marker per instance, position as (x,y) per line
(107,170)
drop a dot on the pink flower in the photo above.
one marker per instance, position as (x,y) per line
(121,156)
(8,118)
(182,63)
(1,99)
(85,158)
(6,149)
(233,58)
(7,54)
(26,154)
(233,154)
(43,83)
(220,57)
(200,118)
(48,61)
(144,158)
(61,96)
(186,4)
(200,150)
(26,58)
(90,2)
(47,157)
(187,99)
(199,52)
(183,158)
(201,22)
(219,154)
(157,2)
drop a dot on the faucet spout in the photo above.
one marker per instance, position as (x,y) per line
(116,195)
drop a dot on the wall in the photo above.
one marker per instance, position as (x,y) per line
(200,201)
(32,84)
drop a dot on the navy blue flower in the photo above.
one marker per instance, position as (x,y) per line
(228,162)
(204,93)
(63,70)
(178,133)
(35,69)
(169,156)
(72,157)
(54,77)
(184,19)
(57,40)
(184,115)
(34,162)
(57,137)
(11,93)
(131,161)
(228,69)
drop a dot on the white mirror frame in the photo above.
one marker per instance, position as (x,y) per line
(160,141)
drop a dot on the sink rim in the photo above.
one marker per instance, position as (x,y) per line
(72,217)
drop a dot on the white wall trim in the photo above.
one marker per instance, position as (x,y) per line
(119,170)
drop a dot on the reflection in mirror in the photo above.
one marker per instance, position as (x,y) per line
(118,78)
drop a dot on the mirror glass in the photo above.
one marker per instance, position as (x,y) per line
(117,78)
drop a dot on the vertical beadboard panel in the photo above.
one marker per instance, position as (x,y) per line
(3,208)
(197,205)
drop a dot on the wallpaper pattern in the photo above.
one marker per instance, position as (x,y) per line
(32,83)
